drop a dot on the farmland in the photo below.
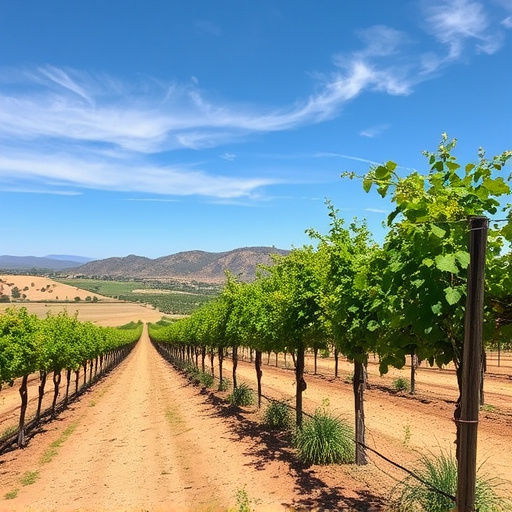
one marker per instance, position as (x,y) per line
(145,437)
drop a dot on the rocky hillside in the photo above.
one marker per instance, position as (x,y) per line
(201,266)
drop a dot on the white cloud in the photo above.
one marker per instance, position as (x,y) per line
(374,131)
(507,22)
(69,171)
(457,23)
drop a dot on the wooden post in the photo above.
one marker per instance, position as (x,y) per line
(471,365)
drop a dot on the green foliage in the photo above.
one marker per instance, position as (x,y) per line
(401,384)
(277,415)
(224,385)
(440,472)
(29,478)
(324,439)
(206,379)
(242,395)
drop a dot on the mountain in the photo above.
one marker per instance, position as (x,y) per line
(34,262)
(201,266)
(67,257)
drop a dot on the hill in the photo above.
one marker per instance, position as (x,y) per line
(53,262)
(200,266)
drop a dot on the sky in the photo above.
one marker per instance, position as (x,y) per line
(159,126)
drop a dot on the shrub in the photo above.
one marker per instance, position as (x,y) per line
(401,384)
(324,439)
(206,379)
(277,415)
(440,472)
(224,385)
(242,395)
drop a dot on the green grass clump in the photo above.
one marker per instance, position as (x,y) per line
(324,439)
(277,415)
(224,385)
(206,379)
(440,472)
(11,494)
(401,384)
(242,395)
(29,478)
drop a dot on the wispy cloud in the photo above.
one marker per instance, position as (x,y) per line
(100,132)
(459,24)
(374,131)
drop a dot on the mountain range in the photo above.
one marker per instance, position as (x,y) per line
(199,266)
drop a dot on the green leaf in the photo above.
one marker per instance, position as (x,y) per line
(367,184)
(391,165)
(428,262)
(463,258)
(437,308)
(382,173)
(496,186)
(372,325)
(452,166)
(452,295)
(446,263)
(437,231)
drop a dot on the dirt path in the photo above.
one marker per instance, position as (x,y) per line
(144,439)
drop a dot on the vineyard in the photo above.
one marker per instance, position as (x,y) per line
(345,334)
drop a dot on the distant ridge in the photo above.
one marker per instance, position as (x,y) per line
(34,262)
(200,266)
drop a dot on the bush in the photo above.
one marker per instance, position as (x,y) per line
(206,379)
(440,472)
(277,415)
(224,385)
(242,395)
(324,439)
(401,384)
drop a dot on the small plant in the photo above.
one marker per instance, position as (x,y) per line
(243,502)
(440,473)
(242,395)
(11,495)
(324,439)
(407,434)
(277,415)
(224,385)
(488,408)
(29,478)
(349,378)
(400,384)
(206,379)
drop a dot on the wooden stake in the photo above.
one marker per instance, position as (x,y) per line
(471,365)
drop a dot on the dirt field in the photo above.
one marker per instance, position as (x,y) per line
(145,439)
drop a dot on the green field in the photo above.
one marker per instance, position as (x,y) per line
(170,298)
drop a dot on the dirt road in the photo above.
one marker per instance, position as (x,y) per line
(144,439)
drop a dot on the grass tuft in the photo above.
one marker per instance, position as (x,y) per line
(277,415)
(401,384)
(242,395)
(29,478)
(440,472)
(324,439)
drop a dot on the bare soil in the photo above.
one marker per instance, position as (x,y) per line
(144,438)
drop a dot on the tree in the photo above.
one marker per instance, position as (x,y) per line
(348,303)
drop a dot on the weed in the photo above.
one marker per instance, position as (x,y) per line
(206,379)
(29,478)
(242,395)
(324,439)
(349,378)
(242,501)
(407,434)
(277,415)
(488,408)
(440,472)
(52,450)
(11,495)
(224,385)
(401,384)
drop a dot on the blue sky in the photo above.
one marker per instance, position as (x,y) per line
(158,126)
